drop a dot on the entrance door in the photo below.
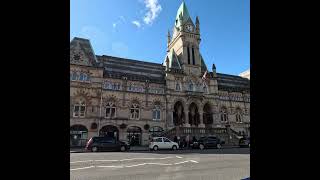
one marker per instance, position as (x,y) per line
(134,135)
(109,131)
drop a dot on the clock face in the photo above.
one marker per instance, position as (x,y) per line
(189,28)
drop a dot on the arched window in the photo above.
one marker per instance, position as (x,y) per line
(188,55)
(74,76)
(79,109)
(178,88)
(130,87)
(81,78)
(134,111)
(107,85)
(111,110)
(193,60)
(205,88)
(85,77)
(224,114)
(190,86)
(156,113)
(238,115)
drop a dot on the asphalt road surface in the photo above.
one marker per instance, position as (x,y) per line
(218,164)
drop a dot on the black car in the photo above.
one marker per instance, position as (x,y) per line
(244,142)
(208,142)
(106,144)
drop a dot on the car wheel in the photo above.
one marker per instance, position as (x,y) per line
(249,145)
(174,147)
(94,149)
(155,148)
(219,146)
(201,146)
(122,148)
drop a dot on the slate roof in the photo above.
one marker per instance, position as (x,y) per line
(232,83)
(117,67)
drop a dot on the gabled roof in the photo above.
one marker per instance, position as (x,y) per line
(182,15)
(203,65)
(173,60)
(81,52)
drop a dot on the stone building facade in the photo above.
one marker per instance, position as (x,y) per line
(134,100)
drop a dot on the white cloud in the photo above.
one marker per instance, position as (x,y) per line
(154,8)
(137,23)
(122,18)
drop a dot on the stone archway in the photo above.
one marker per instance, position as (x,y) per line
(110,131)
(178,114)
(78,135)
(207,115)
(194,117)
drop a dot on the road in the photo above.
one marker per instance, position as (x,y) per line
(218,164)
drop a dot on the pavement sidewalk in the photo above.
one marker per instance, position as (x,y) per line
(143,148)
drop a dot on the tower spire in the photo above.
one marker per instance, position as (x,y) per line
(197,25)
(168,40)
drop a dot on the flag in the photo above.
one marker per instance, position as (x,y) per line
(204,78)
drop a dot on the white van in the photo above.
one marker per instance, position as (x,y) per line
(162,143)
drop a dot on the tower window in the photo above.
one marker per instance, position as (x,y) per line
(188,55)
(193,61)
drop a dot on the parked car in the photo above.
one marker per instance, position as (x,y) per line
(157,143)
(244,142)
(208,142)
(106,144)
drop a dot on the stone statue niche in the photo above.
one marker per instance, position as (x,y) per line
(178,114)
(194,117)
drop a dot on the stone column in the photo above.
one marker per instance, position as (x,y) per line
(201,119)
(186,124)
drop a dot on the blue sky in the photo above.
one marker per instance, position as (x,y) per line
(137,29)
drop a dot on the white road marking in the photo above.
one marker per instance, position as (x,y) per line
(110,166)
(136,165)
(182,162)
(107,160)
(82,168)
(80,161)
(194,161)
(161,164)
(134,159)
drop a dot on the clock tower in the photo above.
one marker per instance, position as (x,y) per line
(183,48)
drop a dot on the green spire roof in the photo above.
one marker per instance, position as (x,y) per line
(183,12)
